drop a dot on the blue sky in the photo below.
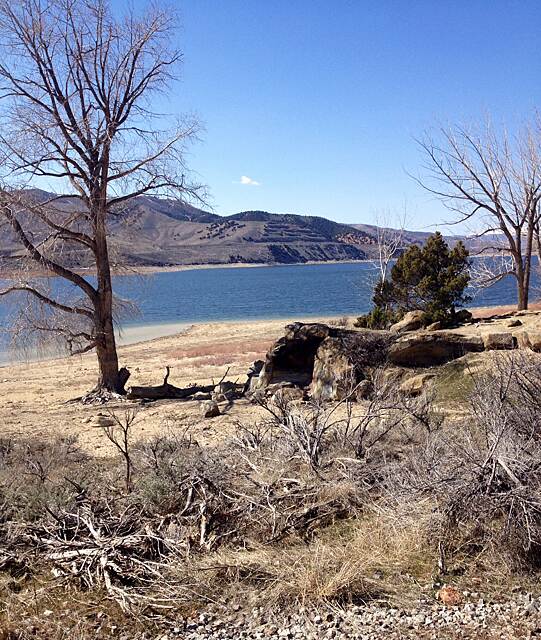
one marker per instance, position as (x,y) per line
(320,101)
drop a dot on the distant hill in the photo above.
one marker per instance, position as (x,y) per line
(159,232)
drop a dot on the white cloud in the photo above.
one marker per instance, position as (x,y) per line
(249,181)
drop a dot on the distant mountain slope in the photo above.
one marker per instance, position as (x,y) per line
(159,232)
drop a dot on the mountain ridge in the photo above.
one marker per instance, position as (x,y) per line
(159,232)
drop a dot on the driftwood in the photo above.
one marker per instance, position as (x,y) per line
(167,391)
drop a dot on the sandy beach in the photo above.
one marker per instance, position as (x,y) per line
(34,398)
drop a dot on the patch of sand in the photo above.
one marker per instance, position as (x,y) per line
(34,396)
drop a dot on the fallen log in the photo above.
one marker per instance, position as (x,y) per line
(166,391)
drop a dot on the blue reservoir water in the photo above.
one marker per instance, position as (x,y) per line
(203,295)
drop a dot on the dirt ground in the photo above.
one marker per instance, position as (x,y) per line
(34,397)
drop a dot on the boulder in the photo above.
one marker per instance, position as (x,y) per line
(329,360)
(341,361)
(412,321)
(434,326)
(535,340)
(431,349)
(462,316)
(334,371)
(210,409)
(514,323)
(291,358)
(252,376)
(523,340)
(498,341)
(415,385)
(528,340)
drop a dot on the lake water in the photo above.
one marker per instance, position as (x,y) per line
(266,292)
(288,291)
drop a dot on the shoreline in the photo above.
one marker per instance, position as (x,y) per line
(134,335)
(133,270)
(236,265)
(148,332)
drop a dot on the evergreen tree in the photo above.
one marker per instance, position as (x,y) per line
(432,278)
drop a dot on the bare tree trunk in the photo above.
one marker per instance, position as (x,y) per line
(522,303)
(522,290)
(106,343)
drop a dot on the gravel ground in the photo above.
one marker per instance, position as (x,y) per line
(474,619)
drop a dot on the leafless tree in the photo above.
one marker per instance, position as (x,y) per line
(119,433)
(390,231)
(491,180)
(79,88)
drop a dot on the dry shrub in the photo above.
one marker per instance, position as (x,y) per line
(484,472)
(314,504)
(371,557)
(339,322)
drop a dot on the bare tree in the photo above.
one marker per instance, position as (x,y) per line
(492,180)
(390,237)
(118,431)
(78,109)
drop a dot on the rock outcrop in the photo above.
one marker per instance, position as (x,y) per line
(499,341)
(428,349)
(528,340)
(412,321)
(341,361)
(291,358)
(328,362)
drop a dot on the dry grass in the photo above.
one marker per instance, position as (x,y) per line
(250,520)
(213,361)
(373,557)
(48,612)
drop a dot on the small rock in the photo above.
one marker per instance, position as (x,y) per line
(449,596)
(210,409)
(414,386)
(514,323)
(412,321)
(200,396)
(103,421)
